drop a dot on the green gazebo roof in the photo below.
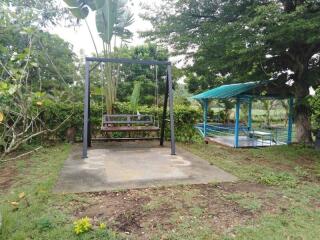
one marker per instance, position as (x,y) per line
(229,91)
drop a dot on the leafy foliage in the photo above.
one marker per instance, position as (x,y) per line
(234,40)
(54,112)
(143,73)
(134,101)
(315,103)
(28,77)
(112,19)
(44,13)
(276,179)
(53,64)
(82,225)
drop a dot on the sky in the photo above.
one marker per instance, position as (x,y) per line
(79,36)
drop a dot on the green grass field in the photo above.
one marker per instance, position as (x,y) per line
(40,214)
(277,197)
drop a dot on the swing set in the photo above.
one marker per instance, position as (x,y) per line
(127,123)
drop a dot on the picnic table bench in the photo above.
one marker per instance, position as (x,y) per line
(261,135)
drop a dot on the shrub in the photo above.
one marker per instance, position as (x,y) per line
(315,104)
(278,179)
(102,226)
(82,225)
(44,224)
(53,113)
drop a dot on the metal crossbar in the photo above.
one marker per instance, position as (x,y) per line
(128,61)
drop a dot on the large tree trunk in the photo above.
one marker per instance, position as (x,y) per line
(302,113)
(303,123)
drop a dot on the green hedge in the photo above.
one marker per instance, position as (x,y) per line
(55,113)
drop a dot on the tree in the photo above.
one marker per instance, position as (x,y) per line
(315,103)
(146,75)
(246,40)
(45,13)
(112,20)
(128,74)
(53,59)
(29,74)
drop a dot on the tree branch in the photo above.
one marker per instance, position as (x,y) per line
(20,156)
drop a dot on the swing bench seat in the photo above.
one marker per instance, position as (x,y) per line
(128,123)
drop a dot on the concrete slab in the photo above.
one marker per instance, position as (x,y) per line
(116,166)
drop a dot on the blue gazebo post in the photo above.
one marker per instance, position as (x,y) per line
(290,120)
(236,128)
(205,115)
(250,114)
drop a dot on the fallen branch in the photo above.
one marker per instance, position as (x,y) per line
(22,155)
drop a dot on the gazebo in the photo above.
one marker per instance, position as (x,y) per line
(239,134)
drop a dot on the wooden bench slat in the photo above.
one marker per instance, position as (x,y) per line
(128,123)
(129,128)
(127,119)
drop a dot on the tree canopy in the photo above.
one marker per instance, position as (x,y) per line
(244,40)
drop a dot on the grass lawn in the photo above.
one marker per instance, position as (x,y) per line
(277,197)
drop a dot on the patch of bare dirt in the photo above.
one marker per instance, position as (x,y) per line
(142,212)
(7,175)
(315,203)
(248,187)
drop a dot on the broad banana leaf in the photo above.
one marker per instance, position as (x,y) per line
(78,8)
(92,4)
(112,16)
(105,20)
(73,3)
(123,21)
(80,13)
(99,3)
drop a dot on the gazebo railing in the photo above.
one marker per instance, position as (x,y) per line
(275,135)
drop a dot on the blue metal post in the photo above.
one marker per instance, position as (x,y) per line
(205,115)
(290,120)
(250,115)
(236,128)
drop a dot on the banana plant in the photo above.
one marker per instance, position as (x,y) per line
(135,97)
(112,20)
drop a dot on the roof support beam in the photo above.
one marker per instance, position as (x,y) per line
(250,115)
(290,121)
(205,114)
(236,128)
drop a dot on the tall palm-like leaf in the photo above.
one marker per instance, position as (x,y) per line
(121,27)
(135,97)
(112,19)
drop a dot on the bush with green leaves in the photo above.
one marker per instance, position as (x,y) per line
(53,113)
(82,225)
(278,179)
(315,103)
